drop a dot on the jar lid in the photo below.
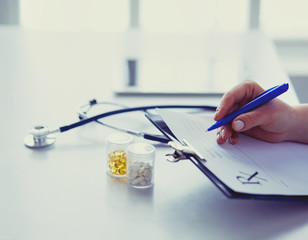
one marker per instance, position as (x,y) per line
(119,138)
(141,148)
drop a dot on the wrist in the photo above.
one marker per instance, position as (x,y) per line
(298,130)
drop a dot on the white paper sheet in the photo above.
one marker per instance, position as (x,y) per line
(251,166)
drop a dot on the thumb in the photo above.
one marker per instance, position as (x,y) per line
(248,120)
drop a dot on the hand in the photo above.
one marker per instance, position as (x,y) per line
(272,122)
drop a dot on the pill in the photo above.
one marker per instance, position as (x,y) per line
(133,174)
(144,183)
(146,173)
(130,177)
(146,165)
(135,167)
(137,180)
(140,173)
(141,170)
(122,171)
(117,162)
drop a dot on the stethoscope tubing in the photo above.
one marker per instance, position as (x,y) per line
(133,109)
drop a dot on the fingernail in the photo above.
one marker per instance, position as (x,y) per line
(215,115)
(223,132)
(238,125)
(218,136)
(217,110)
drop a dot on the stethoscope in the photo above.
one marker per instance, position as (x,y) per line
(40,136)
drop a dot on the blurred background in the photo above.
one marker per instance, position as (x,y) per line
(285,22)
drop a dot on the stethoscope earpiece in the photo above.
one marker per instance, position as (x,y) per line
(39,137)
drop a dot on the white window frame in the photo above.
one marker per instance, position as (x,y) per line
(293,52)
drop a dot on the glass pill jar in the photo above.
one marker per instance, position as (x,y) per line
(140,165)
(117,144)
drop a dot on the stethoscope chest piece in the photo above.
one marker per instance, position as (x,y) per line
(39,137)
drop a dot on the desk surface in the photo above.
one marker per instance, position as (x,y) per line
(63,192)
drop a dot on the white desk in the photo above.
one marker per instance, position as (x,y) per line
(63,192)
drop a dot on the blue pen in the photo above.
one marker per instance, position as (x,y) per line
(261,99)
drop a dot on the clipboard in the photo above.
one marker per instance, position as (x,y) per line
(184,151)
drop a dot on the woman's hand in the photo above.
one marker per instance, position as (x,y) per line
(275,121)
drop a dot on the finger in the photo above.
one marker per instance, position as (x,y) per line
(227,131)
(250,120)
(219,137)
(237,97)
(224,133)
(234,138)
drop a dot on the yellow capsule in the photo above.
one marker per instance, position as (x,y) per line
(120,165)
(113,169)
(117,162)
(122,170)
(118,153)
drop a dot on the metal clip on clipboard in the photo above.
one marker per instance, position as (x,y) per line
(182,152)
